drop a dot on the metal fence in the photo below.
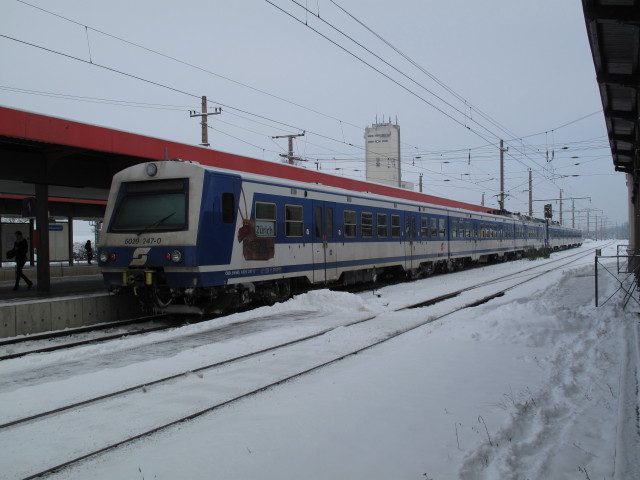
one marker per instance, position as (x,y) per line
(626,274)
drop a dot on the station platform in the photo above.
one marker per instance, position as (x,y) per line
(78,297)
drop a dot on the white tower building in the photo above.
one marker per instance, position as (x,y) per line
(382,143)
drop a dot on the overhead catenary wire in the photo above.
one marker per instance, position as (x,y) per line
(540,167)
(106,101)
(459,97)
(191,65)
(406,76)
(251,87)
(266,118)
(467,104)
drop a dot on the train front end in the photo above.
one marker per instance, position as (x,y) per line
(149,245)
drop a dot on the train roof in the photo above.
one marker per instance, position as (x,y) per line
(420,202)
(294,176)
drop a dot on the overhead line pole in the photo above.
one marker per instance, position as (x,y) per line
(530,194)
(502,150)
(204,114)
(290,137)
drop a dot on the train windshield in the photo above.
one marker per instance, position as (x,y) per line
(155,206)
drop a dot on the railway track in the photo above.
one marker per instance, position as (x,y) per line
(137,327)
(166,322)
(215,386)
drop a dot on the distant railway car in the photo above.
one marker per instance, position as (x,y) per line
(184,237)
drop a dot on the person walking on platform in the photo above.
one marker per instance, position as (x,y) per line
(20,248)
(89,249)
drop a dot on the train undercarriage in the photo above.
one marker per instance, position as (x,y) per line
(151,289)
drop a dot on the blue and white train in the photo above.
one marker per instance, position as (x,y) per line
(186,237)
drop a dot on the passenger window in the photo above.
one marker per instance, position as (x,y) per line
(395,225)
(382,225)
(434,228)
(293,226)
(265,219)
(366,219)
(424,227)
(349,223)
(442,230)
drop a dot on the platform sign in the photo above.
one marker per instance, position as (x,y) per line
(58,242)
(29,207)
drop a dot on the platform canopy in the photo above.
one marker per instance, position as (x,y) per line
(613,27)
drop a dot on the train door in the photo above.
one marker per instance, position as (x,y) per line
(409,239)
(325,254)
(474,239)
(218,214)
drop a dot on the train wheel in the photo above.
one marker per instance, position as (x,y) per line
(163,300)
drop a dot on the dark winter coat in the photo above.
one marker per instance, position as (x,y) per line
(21,248)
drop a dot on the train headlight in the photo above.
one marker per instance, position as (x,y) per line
(104,256)
(152,169)
(175,256)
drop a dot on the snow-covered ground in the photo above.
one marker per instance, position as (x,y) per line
(537,384)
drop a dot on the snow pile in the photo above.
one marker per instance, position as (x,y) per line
(568,423)
(324,301)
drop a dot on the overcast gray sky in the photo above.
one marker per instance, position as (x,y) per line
(517,70)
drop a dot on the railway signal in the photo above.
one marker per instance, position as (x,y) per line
(548,211)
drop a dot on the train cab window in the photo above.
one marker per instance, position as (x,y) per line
(434,227)
(293,226)
(424,227)
(383,228)
(395,226)
(228,210)
(442,230)
(366,219)
(265,219)
(152,206)
(349,217)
